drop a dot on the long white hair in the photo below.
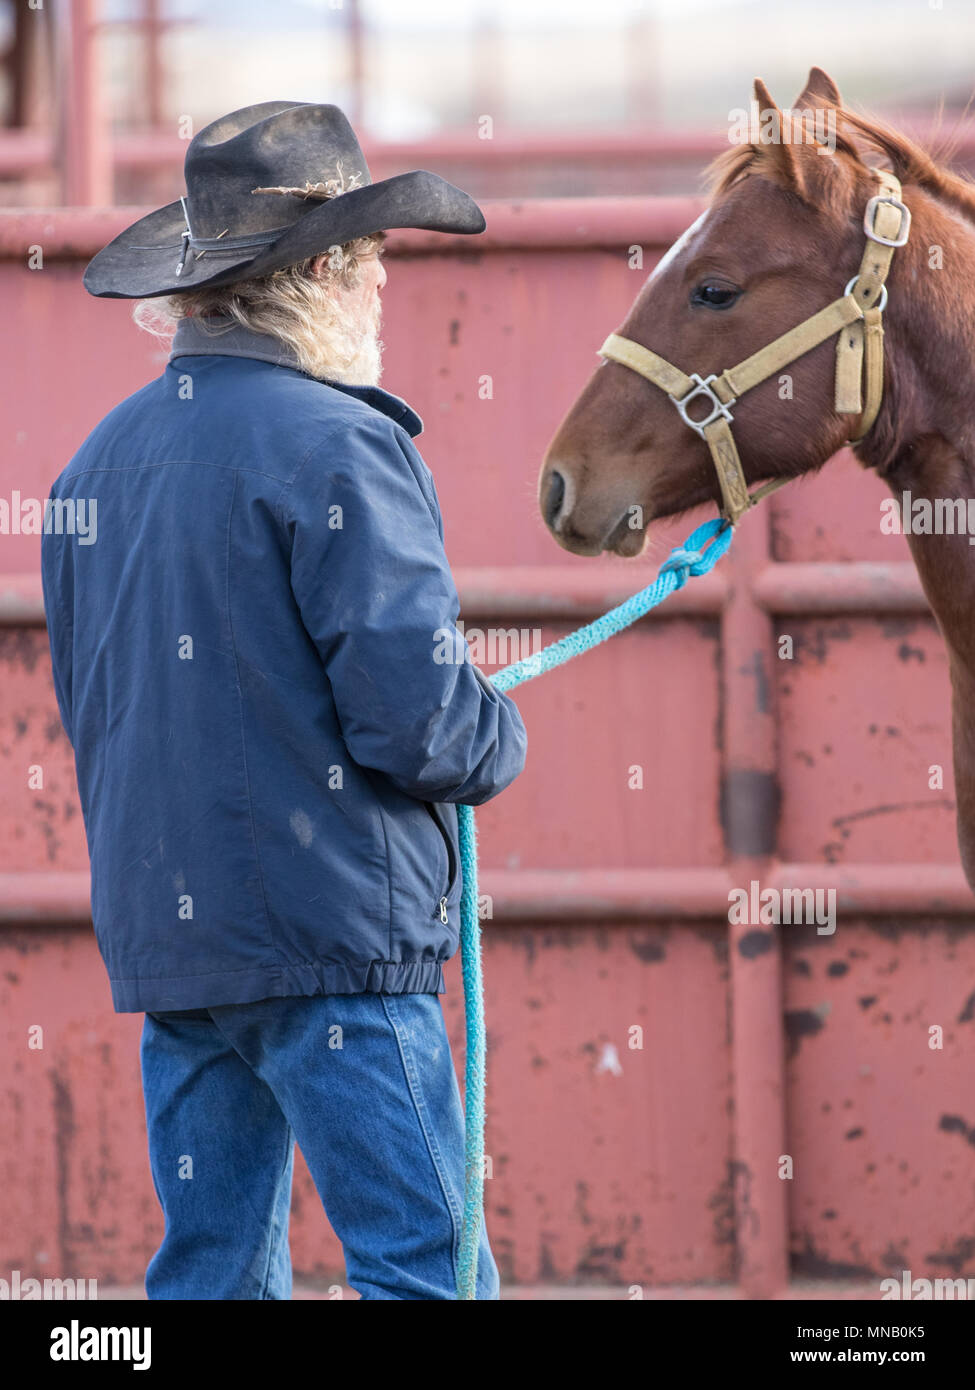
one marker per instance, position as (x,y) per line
(313,313)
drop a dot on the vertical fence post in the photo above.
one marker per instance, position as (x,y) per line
(750,795)
(84,153)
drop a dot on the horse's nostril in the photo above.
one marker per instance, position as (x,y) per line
(555,498)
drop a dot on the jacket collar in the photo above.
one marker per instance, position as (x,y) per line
(226,338)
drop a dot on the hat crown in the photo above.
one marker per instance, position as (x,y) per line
(276,144)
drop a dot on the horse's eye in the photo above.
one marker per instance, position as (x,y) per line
(712,295)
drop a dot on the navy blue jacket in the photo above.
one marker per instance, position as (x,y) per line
(249,661)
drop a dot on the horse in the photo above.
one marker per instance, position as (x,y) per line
(783,232)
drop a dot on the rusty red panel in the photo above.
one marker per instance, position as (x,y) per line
(603,1170)
(74,1200)
(485,448)
(864,717)
(631,765)
(835,515)
(881,1121)
(41,825)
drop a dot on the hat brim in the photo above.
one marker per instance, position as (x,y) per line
(141,262)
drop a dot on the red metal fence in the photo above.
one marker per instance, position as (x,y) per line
(658,1165)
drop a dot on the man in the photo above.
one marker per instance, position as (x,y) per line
(269,751)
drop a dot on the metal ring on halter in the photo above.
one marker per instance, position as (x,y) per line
(703,388)
(882,305)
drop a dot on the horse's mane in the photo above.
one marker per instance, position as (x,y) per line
(855,134)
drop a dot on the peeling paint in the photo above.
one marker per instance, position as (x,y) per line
(64,1133)
(958,1258)
(810,1263)
(954,1124)
(799,1024)
(755,943)
(649,951)
(750,803)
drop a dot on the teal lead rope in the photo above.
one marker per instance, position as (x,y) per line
(690,558)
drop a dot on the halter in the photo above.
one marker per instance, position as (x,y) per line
(856,316)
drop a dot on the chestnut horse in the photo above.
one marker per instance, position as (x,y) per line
(782,236)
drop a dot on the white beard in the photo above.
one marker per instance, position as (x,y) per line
(366,368)
(362,355)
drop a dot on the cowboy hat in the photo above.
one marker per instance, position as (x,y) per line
(267,186)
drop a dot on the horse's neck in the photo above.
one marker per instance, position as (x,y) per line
(926,444)
(937,472)
(926,447)
(936,469)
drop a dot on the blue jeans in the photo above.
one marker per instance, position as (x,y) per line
(366,1084)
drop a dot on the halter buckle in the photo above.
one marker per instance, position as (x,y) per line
(703,388)
(870,217)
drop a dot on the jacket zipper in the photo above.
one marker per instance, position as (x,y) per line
(451,861)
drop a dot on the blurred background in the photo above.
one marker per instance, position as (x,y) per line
(616,97)
(649,1067)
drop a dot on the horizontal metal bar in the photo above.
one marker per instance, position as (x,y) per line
(576,592)
(618,895)
(623,895)
(542,224)
(565,591)
(21,601)
(554,593)
(28,151)
(581,896)
(872,890)
(25,152)
(861,586)
(29,898)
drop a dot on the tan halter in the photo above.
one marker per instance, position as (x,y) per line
(856,316)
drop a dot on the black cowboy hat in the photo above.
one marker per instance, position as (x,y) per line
(264,189)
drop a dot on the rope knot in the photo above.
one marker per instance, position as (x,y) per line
(683,562)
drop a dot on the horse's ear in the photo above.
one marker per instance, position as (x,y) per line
(793,164)
(820,89)
(777,155)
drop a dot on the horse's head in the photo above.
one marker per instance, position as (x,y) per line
(782,236)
